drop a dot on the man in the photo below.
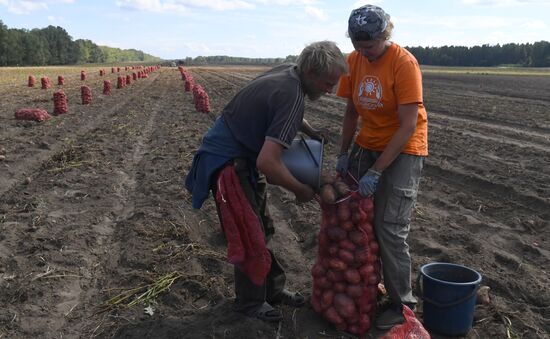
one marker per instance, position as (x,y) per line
(246,142)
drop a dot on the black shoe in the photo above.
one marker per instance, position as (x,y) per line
(390,317)
(265,312)
(286,297)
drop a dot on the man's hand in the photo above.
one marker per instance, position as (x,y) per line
(369,183)
(321,134)
(342,164)
(305,194)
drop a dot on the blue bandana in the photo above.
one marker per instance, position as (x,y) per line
(367,23)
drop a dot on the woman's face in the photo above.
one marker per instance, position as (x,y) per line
(372,49)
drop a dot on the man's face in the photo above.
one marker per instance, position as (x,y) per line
(316,85)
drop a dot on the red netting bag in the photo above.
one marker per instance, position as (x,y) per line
(32,80)
(36,114)
(60,102)
(45,81)
(347,270)
(107,87)
(411,329)
(60,80)
(86,94)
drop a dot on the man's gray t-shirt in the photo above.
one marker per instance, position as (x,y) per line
(269,107)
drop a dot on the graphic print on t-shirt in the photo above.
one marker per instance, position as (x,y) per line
(370,92)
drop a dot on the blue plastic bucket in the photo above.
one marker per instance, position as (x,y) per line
(449,293)
(304,159)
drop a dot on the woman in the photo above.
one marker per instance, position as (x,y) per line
(384,91)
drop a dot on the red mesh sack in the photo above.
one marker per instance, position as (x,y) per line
(347,270)
(59,102)
(32,80)
(35,114)
(119,83)
(86,94)
(128,79)
(411,329)
(82,75)
(45,81)
(107,87)
(60,80)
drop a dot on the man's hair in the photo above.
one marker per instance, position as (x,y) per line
(321,57)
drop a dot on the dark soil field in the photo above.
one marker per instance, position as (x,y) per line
(98,238)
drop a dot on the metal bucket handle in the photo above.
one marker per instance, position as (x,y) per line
(309,150)
(420,293)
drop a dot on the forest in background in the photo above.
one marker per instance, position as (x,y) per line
(54,46)
(512,54)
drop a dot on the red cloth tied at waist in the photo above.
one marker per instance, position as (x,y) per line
(245,239)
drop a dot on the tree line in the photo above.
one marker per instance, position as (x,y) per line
(527,55)
(54,46)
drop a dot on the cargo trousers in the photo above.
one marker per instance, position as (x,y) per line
(248,295)
(394,202)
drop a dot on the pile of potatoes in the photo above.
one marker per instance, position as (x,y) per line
(347,271)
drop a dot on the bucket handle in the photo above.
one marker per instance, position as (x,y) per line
(309,150)
(420,293)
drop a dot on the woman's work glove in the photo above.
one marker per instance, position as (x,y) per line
(342,164)
(369,183)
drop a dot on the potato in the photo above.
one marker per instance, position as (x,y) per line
(346,256)
(339,287)
(354,291)
(337,264)
(344,213)
(372,279)
(345,306)
(352,276)
(326,299)
(483,297)
(360,256)
(367,227)
(374,247)
(358,215)
(335,276)
(327,179)
(342,189)
(316,305)
(357,237)
(323,240)
(346,244)
(364,322)
(333,316)
(347,225)
(336,234)
(318,270)
(322,282)
(328,194)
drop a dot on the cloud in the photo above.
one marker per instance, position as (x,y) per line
(55,19)
(287,2)
(182,6)
(317,13)
(28,6)
(503,3)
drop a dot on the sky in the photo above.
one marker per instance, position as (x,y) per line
(174,29)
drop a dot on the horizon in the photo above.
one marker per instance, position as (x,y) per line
(256,28)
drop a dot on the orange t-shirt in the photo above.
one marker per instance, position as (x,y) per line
(377,88)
